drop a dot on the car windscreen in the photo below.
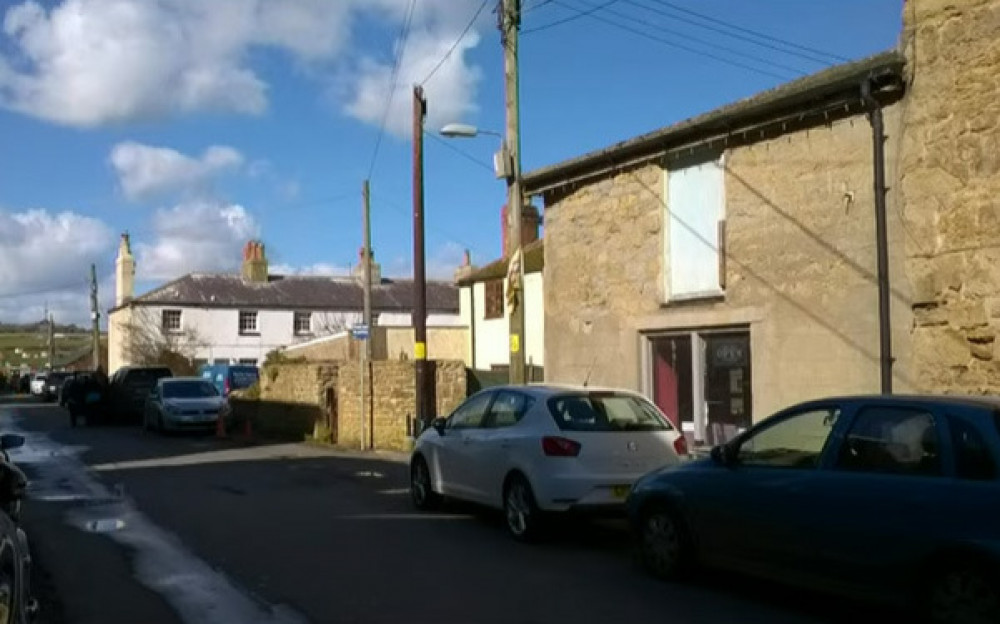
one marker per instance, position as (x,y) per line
(189,390)
(243,377)
(605,411)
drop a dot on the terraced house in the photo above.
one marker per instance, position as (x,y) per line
(728,265)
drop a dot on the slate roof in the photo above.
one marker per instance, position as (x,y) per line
(831,83)
(534,261)
(297,292)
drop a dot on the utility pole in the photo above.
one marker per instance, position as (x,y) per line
(95,317)
(52,342)
(510,23)
(366,272)
(424,414)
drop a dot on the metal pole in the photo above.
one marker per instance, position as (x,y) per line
(52,342)
(95,316)
(510,22)
(881,239)
(367,319)
(419,277)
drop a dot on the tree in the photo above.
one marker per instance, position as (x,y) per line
(148,343)
(327,323)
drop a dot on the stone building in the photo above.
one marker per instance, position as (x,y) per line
(726,265)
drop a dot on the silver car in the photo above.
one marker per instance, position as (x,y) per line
(182,404)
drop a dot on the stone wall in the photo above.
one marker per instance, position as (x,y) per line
(392,400)
(293,399)
(800,270)
(949,184)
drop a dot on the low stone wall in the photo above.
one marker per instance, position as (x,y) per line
(392,400)
(293,399)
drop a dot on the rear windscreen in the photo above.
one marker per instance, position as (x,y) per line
(605,411)
(146,375)
(244,377)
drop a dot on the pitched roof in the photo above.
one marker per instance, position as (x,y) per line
(534,261)
(297,292)
(838,86)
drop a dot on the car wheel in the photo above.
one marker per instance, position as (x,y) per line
(964,593)
(524,519)
(664,546)
(423,494)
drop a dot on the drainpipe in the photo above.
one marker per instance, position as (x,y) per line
(881,237)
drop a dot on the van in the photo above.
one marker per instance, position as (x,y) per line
(229,377)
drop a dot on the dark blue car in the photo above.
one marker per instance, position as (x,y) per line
(887,497)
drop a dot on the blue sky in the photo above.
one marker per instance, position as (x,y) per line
(196,124)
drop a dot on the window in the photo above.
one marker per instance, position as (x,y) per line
(248,323)
(493,295)
(695,208)
(891,440)
(302,323)
(171,321)
(973,459)
(220,361)
(469,415)
(794,442)
(508,409)
(248,361)
(605,411)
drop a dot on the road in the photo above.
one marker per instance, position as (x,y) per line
(133,527)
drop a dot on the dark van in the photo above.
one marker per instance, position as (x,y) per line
(128,389)
(229,377)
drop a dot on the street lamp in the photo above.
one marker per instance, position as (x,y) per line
(507,166)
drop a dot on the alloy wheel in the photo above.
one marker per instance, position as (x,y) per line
(518,508)
(964,596)
(661,543)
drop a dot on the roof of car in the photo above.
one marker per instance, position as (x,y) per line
(170,380)
(549,389)
(986,401)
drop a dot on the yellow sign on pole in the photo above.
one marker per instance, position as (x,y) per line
(420,350)
(515,343)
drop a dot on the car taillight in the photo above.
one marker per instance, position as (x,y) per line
(554,446)
(681,445)
(225,387)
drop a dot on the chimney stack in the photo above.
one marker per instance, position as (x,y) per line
(376,268)
(529,228)
(254,267)
(124,272)
(466,268)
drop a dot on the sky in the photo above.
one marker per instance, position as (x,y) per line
(196,125)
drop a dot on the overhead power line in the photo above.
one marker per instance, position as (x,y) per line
(755,33)
(461,152)
(674,44)
(465,32)
(578,15)
(403,35)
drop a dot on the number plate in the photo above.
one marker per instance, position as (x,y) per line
(620,491)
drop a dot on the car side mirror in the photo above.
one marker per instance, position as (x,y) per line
(11,441)
(438,424)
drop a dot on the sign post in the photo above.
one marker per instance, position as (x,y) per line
(359,331)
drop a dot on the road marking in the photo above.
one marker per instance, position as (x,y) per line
(200,594)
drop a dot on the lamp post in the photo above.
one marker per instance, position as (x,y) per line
(507,166)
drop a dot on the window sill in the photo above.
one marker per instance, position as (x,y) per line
(251,334)
(304,334)
(694,299)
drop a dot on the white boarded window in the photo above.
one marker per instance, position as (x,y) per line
(695,208)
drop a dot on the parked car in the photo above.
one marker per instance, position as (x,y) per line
(182,403)
(84,395)
(38,382)
(229,377)
(888,497)
(531,450)
(17,604)
(53,385)
(128,389)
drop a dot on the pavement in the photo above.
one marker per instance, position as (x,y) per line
(132,527)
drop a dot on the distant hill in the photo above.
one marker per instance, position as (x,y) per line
(40,326)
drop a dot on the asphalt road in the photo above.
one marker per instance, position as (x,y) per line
(131,527)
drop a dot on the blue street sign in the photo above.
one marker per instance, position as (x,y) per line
(360,332)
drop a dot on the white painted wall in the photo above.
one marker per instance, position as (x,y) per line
(218,337)
(491,336)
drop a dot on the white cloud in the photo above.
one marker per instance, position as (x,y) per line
(319,268)
(145,171)
(440,263)
(89,63)
(45,259)
(195,236)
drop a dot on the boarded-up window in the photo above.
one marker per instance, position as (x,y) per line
(493,306)
(695,206)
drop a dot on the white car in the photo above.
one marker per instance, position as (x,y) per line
(38,383)
(535,449)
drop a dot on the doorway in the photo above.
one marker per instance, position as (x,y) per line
(701,380)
